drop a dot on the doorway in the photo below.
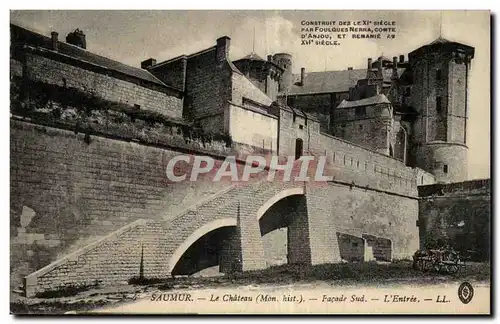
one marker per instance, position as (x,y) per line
(299,146)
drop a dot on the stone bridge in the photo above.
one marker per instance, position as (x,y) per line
(223,230)
(226,229)
(67,194)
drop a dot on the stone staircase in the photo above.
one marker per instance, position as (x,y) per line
(117,257)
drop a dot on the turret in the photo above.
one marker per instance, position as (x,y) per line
(284,61)
(440,96)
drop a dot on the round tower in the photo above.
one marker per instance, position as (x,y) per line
(439,94)
(284,61)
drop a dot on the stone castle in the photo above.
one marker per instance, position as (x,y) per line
(90,138)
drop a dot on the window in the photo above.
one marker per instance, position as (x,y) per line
(360,111)
(445,168)
(438,75)
(136,106)
(439,108)
(360,127)
(298,148)
(301,126)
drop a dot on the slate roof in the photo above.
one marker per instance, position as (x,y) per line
(334,81)
(252,56)
(25,36)
(378,99)
(439,40)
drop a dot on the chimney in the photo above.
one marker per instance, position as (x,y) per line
(368,71)
(222,49)
(148,63)
(269,58)
(395,67)
(401,58)
(302,75)
(77,38)
(380,64)
(54,40)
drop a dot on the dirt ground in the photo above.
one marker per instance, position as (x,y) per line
(338,275)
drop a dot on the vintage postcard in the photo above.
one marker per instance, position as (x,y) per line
(250,162)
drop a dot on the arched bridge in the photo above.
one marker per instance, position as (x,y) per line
(227,229)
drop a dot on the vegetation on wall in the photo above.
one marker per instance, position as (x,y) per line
(86,112)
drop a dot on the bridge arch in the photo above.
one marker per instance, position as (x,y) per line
(281,195)
(284,227)
(195,236)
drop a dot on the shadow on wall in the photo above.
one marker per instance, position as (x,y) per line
(351,247)
(364,249)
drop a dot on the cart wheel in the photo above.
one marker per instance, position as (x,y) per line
(423,265)
(420,265)
(452,268)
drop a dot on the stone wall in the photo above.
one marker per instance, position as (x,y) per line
(457,214)
(66,192)
(457,98)
(208,85)
(319,105)
(172,72)
(322,211)
(354,164)
(368,128)
(292,127)
(51,71)
(322,105)
(244,88)
(446,161)
(359,212)
(257,129)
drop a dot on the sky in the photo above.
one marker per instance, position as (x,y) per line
(133,36)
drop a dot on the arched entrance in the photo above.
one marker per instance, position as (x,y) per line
(209,246)
(283,223)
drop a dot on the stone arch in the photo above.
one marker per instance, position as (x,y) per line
(282,194)
(195,236)
(284,227)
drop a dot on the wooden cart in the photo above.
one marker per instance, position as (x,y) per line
(438,260)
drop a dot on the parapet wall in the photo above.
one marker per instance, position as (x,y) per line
(482,186)
(54,69)
(366,167)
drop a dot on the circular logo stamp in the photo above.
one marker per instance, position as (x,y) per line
(465,292)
